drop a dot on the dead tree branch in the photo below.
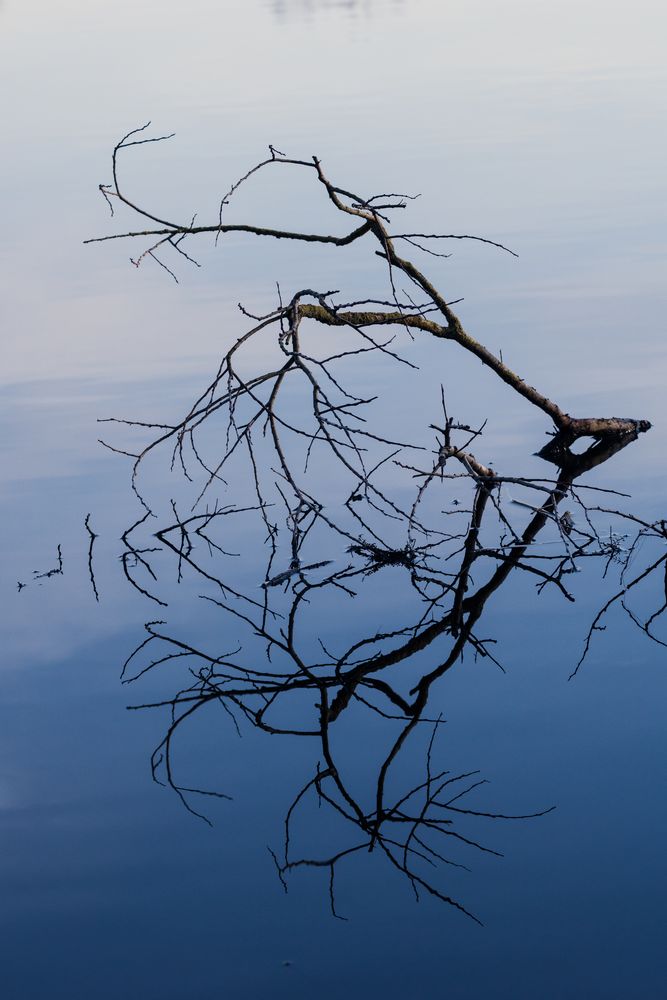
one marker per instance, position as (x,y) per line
(326,503)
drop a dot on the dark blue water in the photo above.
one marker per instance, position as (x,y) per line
(535,125)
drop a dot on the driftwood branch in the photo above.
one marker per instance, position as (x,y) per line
(316,492)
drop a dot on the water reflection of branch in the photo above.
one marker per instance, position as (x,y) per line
(91,542)
(48,574)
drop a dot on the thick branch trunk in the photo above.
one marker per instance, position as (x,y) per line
(569,428)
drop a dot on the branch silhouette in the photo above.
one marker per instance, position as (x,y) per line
(328,507)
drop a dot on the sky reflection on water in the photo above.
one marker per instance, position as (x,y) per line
(533,123)
(296,10)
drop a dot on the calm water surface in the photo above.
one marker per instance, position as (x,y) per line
(539,125)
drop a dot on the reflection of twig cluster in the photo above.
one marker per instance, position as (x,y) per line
(324,495)
(413,825)
(56,570)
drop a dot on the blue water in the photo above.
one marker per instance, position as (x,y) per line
(534,124)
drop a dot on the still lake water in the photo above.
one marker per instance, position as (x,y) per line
(537,124)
